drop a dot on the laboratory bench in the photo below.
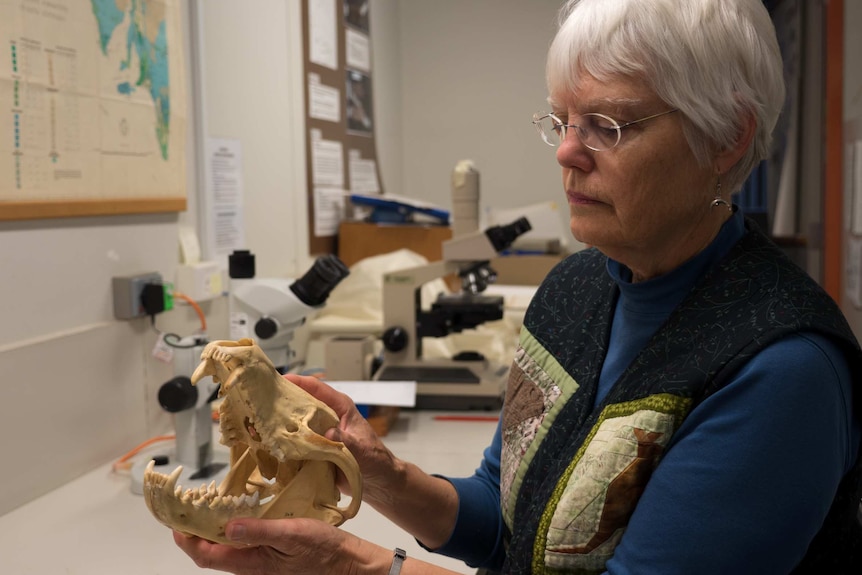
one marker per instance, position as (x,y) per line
(95,525)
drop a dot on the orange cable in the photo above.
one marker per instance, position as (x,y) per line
(119,463)
(197,308)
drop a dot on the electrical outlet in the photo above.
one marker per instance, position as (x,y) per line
(127,294)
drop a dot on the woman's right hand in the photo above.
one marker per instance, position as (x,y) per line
(379,467)
(423,505)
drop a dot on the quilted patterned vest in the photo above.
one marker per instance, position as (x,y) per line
(571,475)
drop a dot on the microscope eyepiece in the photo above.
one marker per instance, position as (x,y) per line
(502,237)
(314,287)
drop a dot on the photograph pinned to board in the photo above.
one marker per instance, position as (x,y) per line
(356,14)
(359,111)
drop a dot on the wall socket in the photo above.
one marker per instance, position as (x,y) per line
(127,294)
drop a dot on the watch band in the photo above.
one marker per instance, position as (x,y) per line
(397,560)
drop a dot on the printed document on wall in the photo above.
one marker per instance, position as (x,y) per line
(224,190)
(328,210)
(327,161)
(322,31)
(324,102)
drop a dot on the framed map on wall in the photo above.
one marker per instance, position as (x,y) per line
(92,108)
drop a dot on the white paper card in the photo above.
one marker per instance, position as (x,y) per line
(397,393)
(324,102)
(322,30)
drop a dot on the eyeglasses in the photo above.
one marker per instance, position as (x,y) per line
(596,131)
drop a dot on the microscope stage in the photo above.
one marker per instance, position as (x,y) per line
(428,374)
(448,385)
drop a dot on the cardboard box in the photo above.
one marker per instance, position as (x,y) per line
(359,240)
(525,270)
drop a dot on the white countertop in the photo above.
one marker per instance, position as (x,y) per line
(95,525)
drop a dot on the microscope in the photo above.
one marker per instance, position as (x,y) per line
(193,421)
(468,380)
(270,310)
(266,310)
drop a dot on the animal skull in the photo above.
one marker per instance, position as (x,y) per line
(281,465)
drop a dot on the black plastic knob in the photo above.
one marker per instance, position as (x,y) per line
(178,394)
(395,338)
(265,328)
(241,264)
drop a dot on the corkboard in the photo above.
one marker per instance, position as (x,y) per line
(354,128)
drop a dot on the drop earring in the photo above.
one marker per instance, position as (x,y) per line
(718,200)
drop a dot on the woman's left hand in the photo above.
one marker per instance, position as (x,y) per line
(273,546)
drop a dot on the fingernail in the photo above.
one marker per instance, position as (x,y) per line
(236,532)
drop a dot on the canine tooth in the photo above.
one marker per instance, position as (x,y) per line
(266,500)
(150,466)
(254,500)
(172,478)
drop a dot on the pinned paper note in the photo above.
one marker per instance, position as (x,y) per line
(190,247)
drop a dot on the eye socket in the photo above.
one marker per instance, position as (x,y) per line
(252,431)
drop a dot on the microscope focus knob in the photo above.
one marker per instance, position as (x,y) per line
(395,338)
(265,328)
(178,394)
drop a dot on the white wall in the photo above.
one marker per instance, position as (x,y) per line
(387,62)
(472,76)
(453,79)
(252,92)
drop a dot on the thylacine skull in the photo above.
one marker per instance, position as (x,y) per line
(281,465)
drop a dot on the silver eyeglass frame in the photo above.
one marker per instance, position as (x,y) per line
(583,133)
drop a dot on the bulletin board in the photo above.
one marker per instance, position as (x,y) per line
(339,113)
(92,108)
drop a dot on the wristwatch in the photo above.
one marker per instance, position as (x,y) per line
(397,560)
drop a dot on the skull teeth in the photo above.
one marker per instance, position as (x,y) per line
(203,496)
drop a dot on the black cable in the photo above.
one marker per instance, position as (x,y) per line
(176,344)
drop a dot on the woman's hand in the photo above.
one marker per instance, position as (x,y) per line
(423,505)
(289,546)
(379,467)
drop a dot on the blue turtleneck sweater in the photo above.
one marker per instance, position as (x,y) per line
(747,479)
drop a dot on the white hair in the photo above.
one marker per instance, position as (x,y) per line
(714,60)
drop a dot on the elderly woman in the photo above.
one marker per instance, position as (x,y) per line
(681,400)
